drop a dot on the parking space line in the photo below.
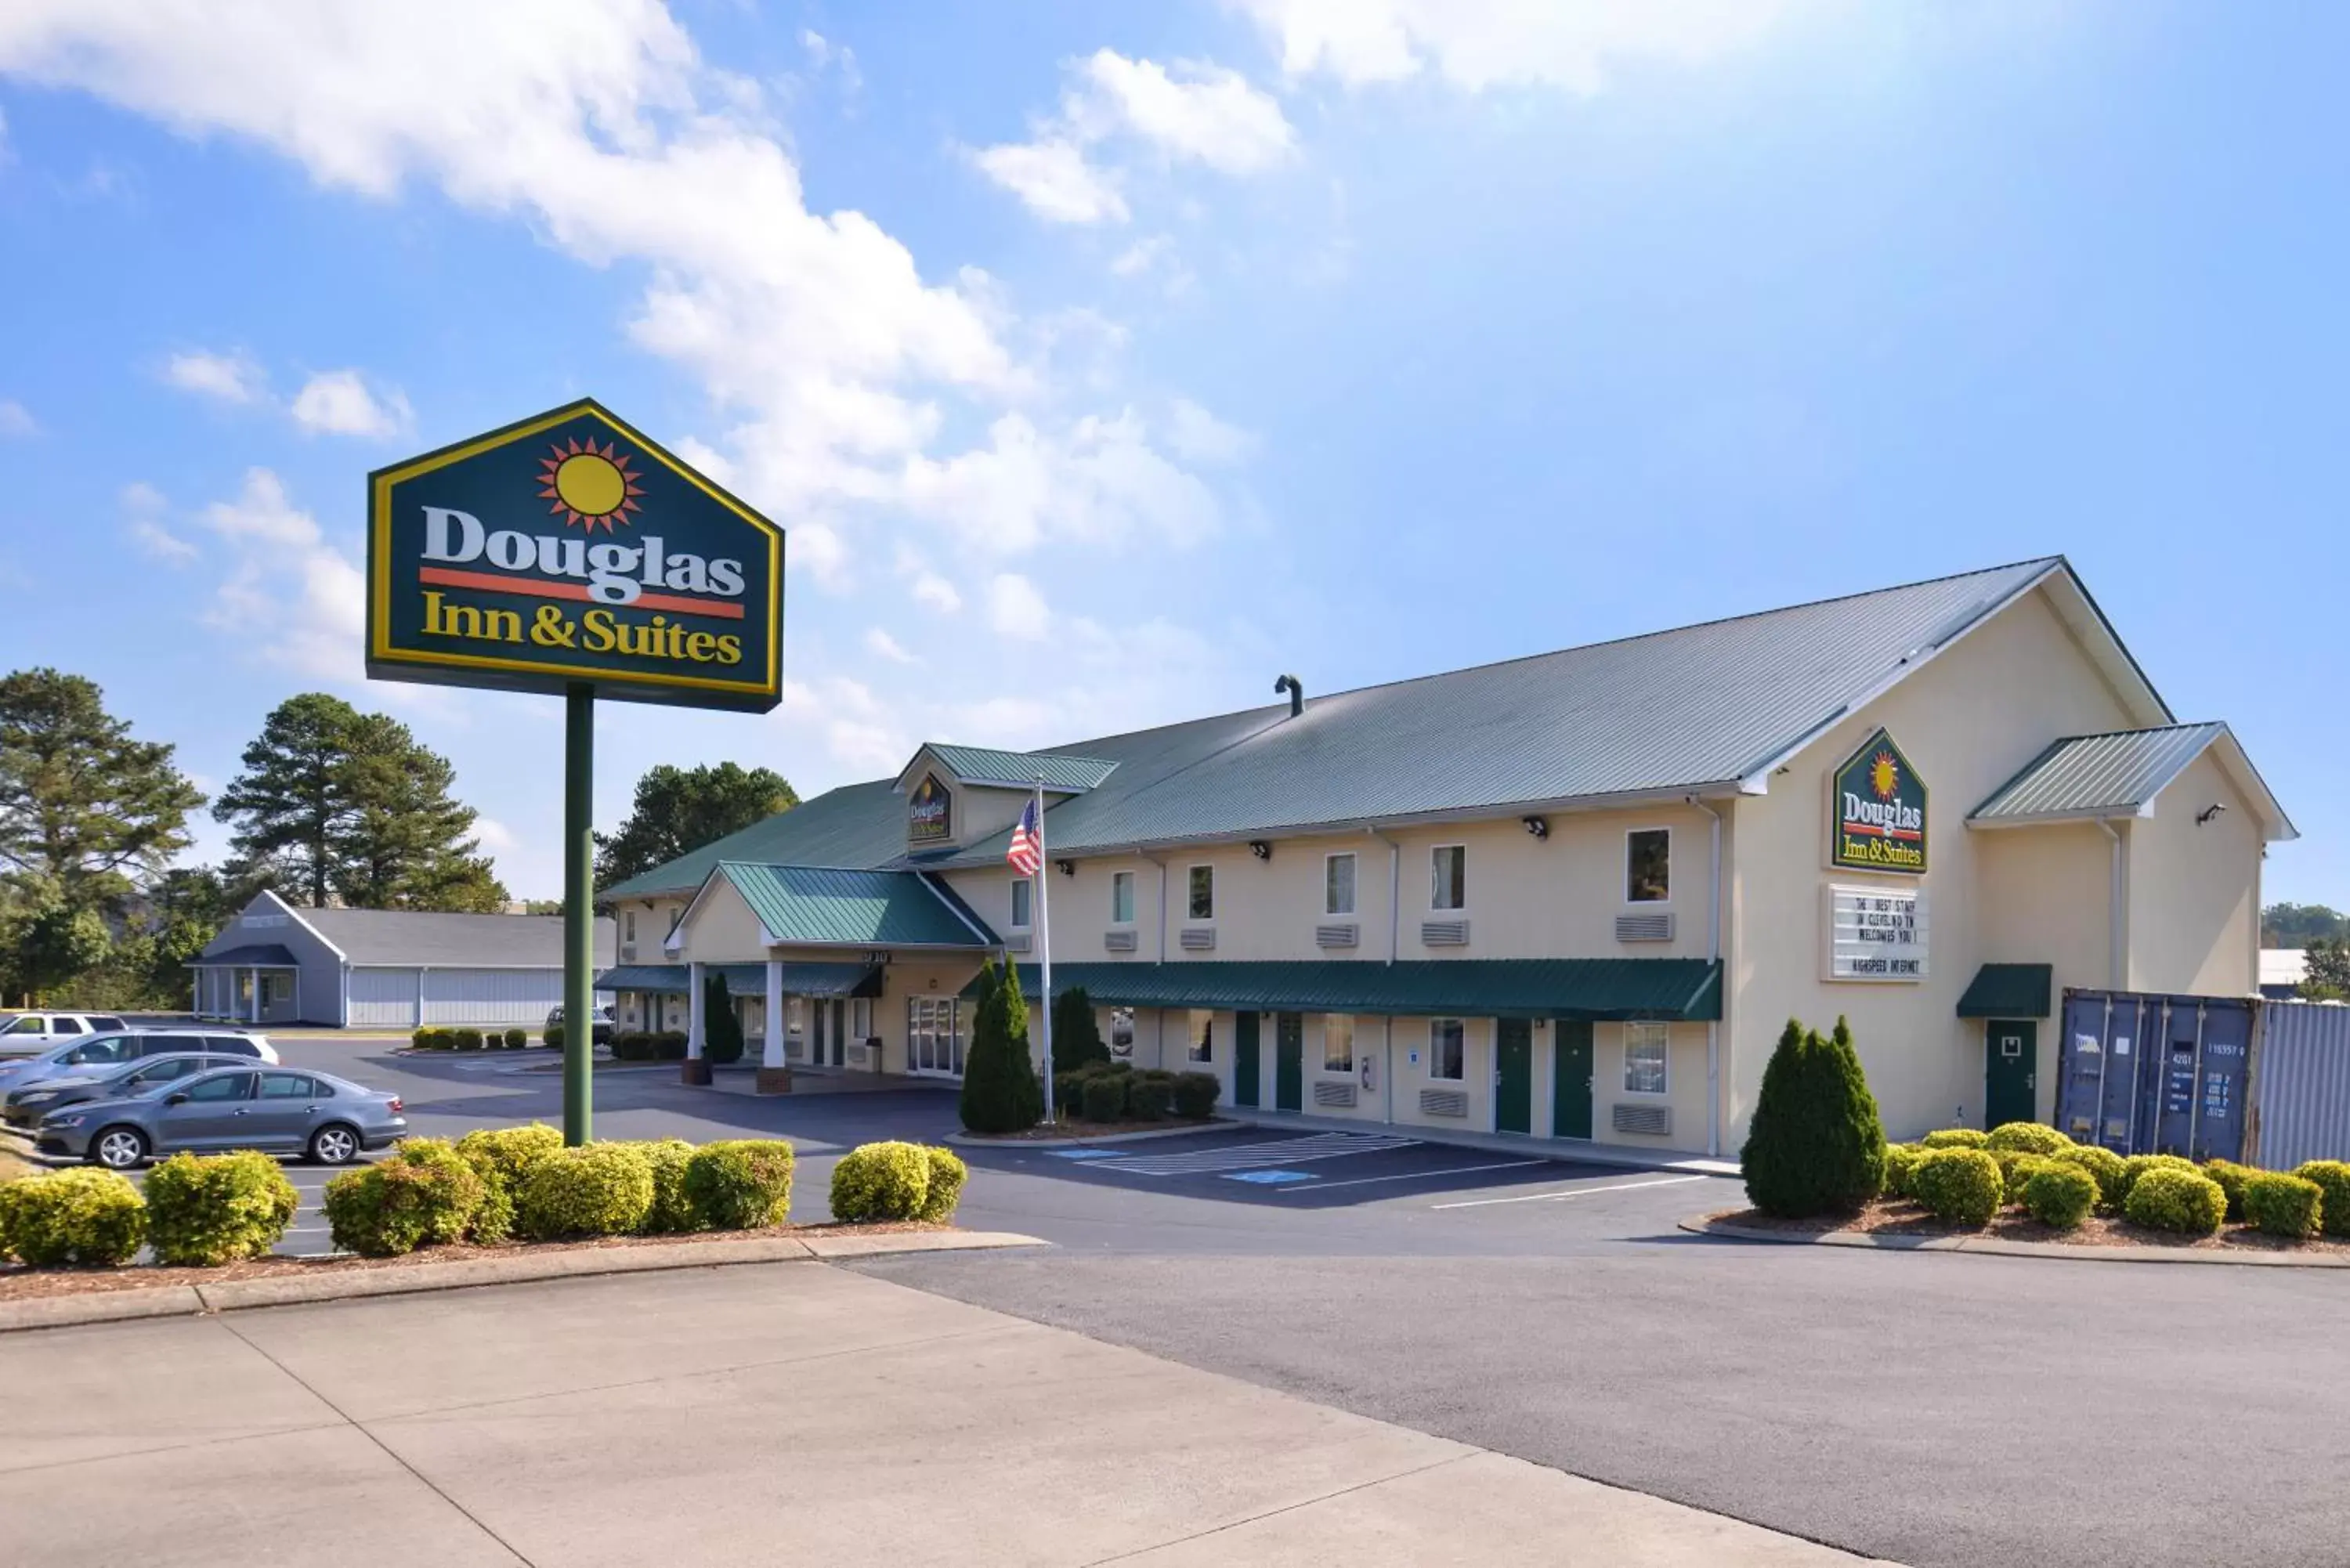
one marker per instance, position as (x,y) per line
(1423,1175)
(1570,1192)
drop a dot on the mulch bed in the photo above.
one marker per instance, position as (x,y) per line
(1900,1217)
(19,1283)
(1063,1130)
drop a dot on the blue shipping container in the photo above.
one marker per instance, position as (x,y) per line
(2148,1074)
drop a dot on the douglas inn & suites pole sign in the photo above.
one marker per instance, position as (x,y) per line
(568,554)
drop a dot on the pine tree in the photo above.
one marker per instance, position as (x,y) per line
(1001,1093)
(1076,1036)
(85,810)
(721,1027)
(1815,1145)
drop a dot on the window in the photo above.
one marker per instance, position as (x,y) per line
(1024,893)
(1338,1037)
(629,922)
(164,1071)
(860,1018)
(231,1046)
(165,1044)
(227,1086)
(1338,884)
(1121,1032)
(1647,1068)
(28,1025)
(112,1048)
(1447,1045)
(1202,905)
(1648,866)
(1122,898)
(1448,877)
(68,1026)
(286,1086)
(1201,1041)
(105,1021)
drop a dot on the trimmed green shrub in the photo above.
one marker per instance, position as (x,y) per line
(2137,1165)
(1069,1094)
(2282,1205)
(2017,1166)
(2232,1178)
(515,1039)
(2164,1197)
(1151,1094)
(208,1209)
(1076,1033)
(878,1181)
(597,1189)
(1196,1095)
(1959,1185)
(1103,1096)
(2333,1177)
(1814,1145)
(672,1212)
(740,1184)
(669,1045)
(2028,1138)
(425,1194)
(552,1036)
(1956,1137)
(1900,1159)
(2105,1166)
(721,1027)
(433,1037)
(469,1039)
(2060,1194)
(999,1090)
(91,1218)
(948,1175)
(503,1154)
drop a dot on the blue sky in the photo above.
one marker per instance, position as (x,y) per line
(1104,362)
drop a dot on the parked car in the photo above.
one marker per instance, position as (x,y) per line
(599,1032)
(84,1052)
(327,1119)
(29,1033)
(23,1107)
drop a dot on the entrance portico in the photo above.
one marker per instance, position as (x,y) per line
(256,984)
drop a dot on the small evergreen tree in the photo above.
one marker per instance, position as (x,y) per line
(721,1028)
(999,1090)
(1815,1145)
(1076,1037)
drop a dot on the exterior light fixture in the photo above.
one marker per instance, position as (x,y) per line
(2208,813)
(1261,849)
(1538,825)
(1066,867)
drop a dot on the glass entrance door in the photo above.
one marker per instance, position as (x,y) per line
(933,1041)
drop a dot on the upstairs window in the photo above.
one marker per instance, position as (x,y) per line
(1648,866)
(1122,898)
(1338,884)
(1202,904)
(1023,892)
(1448,877)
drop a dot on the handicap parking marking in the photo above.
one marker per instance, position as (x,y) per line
(1433,1175)
(1266,1155)
(1085,1153)
(1269,1178)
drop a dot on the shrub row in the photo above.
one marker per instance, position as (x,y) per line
(886,1181)
(648,1046)
(1117,1091)
(436,1038)
(200,1211)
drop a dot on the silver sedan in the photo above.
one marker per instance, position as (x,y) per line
(272,1109)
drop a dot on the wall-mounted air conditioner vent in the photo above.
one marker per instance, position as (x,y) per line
(1199,939)
(1444,1102)
(628,953)
(1644,928)
(1117,941)
(1444,933)
(1347,935)
(1656,1121)
(1018,942)
(1337,1094)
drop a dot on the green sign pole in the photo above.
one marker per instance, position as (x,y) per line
(579,912)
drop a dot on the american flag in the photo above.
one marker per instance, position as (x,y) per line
(1027,851)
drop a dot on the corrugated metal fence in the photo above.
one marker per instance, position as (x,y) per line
(2300,1084)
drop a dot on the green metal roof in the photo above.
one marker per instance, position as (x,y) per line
(803,979)
(1021,770)
(661,978)
(813,905)
(1474,988)
(857,825)
(2008,990)
(2114,775)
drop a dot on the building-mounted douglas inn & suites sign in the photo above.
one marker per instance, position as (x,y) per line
(568,548)
(1877,811)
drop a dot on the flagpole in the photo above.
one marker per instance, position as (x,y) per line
(1044,943)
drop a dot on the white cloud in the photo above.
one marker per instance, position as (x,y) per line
(338,402)
(1015,609)
(494,835)
(143,509)
(1101,481)
(232,377)
(882,645)
(1199,436)
(849,717)
(16,421)
(1476,44)
(289,597)
(1054,181)
(1195,112)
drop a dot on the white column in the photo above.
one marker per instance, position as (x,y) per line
(254,1007)
(695,1025)
(774,1053)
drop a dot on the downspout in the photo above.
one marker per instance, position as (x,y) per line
(1713,952)
(2116,947)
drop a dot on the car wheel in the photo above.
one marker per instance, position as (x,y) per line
(119,1149)
(336,1145)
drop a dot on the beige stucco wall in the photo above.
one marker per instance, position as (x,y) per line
(654,916)
(2194,889)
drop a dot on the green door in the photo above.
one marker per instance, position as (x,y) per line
(1570,1083)
(1513,1092)
(1288,1061)
(1244,1068)
(2010,1070)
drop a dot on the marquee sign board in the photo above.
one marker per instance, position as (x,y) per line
(1875,933)
(1877,811)
(568,548)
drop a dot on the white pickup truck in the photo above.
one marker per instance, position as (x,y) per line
(30,1034)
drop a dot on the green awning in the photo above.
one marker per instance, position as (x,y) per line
(803,979)
(1471,988)
(2003,990)
(661,978)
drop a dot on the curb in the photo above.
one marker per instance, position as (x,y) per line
(1700,1225)
(1215,1125)
(585,1263)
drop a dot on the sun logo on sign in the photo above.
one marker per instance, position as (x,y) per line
(1884,776)
(588,485)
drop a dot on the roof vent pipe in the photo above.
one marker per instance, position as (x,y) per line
(1296,693)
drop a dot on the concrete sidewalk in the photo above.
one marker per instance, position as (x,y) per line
(790,1413)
